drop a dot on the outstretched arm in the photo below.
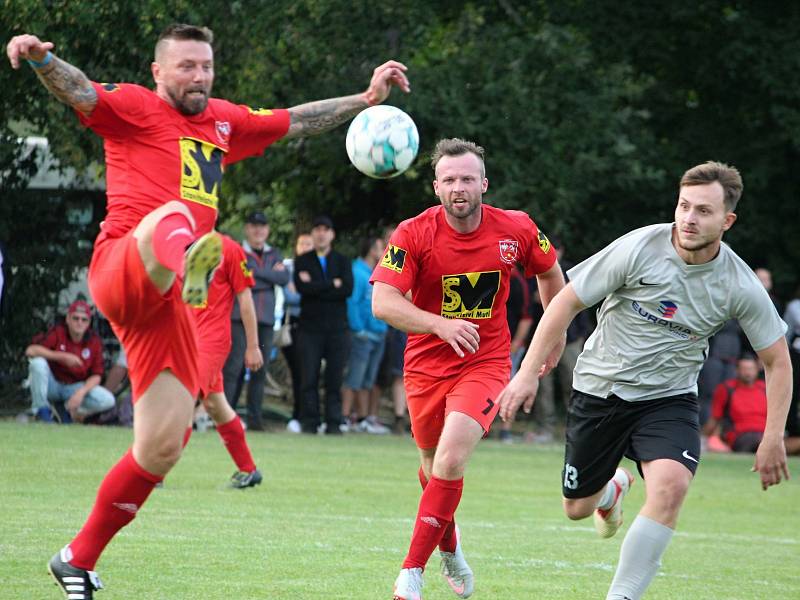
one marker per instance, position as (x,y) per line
(67,83)
(323,115)
(771,454)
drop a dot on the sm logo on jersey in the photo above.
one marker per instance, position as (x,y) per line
(245,271)
(469,295)
(394,259)
(201,171)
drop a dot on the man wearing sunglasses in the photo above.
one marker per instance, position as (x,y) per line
(66,366)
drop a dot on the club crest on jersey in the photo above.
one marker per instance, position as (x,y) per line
(544,243)
(508,251)
(201,171)
(469,295)
(223,131)
(86,353)
(394,259)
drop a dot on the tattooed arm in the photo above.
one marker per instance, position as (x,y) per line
(67,83)
(321,116)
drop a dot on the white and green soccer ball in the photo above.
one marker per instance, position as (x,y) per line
(382,141)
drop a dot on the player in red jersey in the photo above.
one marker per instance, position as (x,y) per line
(456,259)
(166,151)
(231,282)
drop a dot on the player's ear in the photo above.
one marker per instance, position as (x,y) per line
(484,185)
(730,219)
(155,69)
(436,187)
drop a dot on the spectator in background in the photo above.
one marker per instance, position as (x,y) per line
(739,410)
(66,367)
(724,349)
(792,318)
(324,280)
(367,342)
(765,277)
(291,352)
(266,264)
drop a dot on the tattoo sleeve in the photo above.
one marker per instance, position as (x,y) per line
(321,116)
(69,84)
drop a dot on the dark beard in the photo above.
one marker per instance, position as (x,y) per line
(191,107)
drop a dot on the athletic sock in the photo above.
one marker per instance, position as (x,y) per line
(123,491)
(449,540)
(232,434)
(639,558)
(172,235)
(436,508)
(609,495)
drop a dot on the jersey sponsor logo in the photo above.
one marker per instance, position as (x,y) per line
(260,112)
(86,353)
(245,270)
(544,243)
(110,87)
(667,308)
(223,131)
(201,171)
(674,329)
(469,295)
(394,259)
(508,251)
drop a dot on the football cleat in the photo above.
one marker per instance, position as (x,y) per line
(408,585)
(242,479)
(608,521)
(199,263)
(76,583)
(456,571)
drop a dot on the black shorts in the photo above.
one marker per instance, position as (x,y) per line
(600,431)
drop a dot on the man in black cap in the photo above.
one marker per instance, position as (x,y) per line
(324,279)
(266,264)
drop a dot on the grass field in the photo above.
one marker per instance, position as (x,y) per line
(334,516)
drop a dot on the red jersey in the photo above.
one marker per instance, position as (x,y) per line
(155,154)
(89,349)
(214,320)
(462,276)
(746,406)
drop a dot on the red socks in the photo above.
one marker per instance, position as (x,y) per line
(172,235)
(232,434)
(436,509)
(123,491)
(448,541)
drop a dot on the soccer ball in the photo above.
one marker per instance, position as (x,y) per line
(382,141)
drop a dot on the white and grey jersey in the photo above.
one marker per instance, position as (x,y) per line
(653,327)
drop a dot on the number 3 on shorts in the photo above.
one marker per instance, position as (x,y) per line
(570,477)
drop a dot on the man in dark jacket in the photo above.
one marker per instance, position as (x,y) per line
(324,279)
(266,264)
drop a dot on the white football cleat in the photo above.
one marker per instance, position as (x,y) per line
(408,585)
(608,521)
(456,571)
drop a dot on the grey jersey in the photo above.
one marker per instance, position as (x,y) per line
(653,327)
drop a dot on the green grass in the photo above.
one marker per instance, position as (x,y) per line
(333,519)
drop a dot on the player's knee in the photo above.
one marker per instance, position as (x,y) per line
(448,465)
(164,454)
(576,508)
(38,366)
(668,496)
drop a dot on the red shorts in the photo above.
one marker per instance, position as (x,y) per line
(431,399)
(157,331)
(210,366)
